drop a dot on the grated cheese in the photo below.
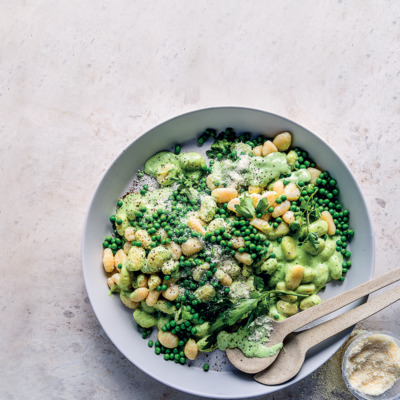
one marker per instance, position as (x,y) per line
(260,328)
(373,366)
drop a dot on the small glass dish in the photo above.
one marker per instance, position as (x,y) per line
(391,394)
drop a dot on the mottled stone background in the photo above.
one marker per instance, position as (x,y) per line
(79,80)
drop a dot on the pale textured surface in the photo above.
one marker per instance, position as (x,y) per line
(80,80)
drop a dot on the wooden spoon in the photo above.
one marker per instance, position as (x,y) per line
(284,328)
(291,360)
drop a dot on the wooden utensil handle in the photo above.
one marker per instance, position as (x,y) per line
(335,303)
(321,332)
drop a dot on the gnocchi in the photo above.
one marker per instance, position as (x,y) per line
(257,220)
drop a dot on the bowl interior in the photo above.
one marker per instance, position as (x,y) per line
(117,321)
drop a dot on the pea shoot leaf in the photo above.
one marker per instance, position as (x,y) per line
(309,209)
(221,146)
(186,314)
(294,226)
(303,205)
(246,207)
(313,239)
(176,274)
(262,206)
(177,315)
(258,283)
(185,185)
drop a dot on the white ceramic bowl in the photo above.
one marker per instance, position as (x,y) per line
(222,381)
(391,394)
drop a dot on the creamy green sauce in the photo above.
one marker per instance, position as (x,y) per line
(154,165)
(189,164)
(333,262)
(153,200)
(299,175)
(249,348)
(257,171)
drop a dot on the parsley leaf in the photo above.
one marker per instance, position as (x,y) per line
(255,295)
(246,207)
(242,308)
(262,309)
(262,206)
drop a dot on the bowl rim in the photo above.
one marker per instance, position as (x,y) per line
(186,114)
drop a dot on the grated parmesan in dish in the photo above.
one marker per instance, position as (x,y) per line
(373,365)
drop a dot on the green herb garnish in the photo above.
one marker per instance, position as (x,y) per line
(313,239)
(246,207)
(258,304)
(185,185)
(262,206)
(221,146)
